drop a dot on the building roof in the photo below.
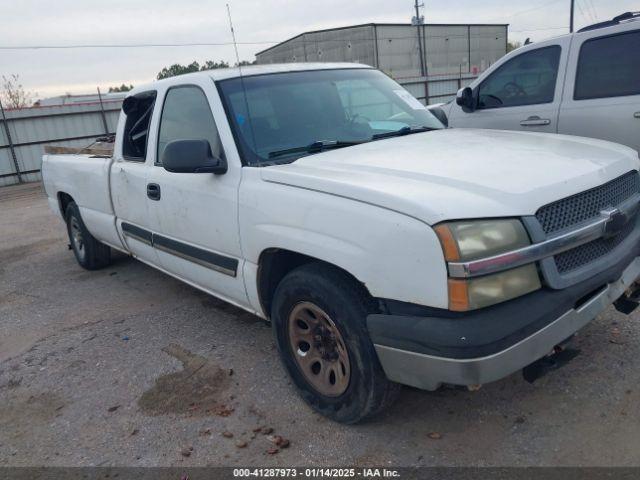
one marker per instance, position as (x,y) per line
(385,25)
(247,71)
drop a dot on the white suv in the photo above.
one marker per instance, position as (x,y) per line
(586,83)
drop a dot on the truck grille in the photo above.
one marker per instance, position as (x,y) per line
(589,252)
(570,211)
(584,206)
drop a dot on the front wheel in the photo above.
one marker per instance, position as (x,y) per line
(319,321)
(89,252)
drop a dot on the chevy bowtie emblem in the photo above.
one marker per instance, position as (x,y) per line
(615,222)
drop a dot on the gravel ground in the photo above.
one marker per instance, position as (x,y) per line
(129,367)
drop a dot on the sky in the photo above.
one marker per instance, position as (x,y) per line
(258,25)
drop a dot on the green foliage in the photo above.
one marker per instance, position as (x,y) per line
(177,69)
(121,88)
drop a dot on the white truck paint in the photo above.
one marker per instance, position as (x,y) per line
(605,107)
(368,209)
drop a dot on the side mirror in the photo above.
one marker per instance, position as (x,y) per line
(192,156)
(465,99)
(440,115)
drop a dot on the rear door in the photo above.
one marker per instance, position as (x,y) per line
(128,175)
(195,217)
(602,92)
(523,93)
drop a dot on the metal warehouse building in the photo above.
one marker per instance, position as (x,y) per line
(432,61)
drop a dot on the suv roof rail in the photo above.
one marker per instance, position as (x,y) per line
(613,21)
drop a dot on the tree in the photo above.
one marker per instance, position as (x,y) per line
(121,88)
(13,94)
(211,65)
(513,45)
(177,69)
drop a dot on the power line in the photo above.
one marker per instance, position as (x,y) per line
(133,45)
(595,10)
(592,9)
(538,29)
(531,9)
(203,44)
(265,42)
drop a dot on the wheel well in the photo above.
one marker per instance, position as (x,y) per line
(63,200)
(274,264)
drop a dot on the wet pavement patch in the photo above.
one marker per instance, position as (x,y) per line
(27,409)
(198,389)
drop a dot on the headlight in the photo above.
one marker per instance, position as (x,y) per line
(472,240)
(463,241)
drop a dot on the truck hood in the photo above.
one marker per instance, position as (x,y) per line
(460,173)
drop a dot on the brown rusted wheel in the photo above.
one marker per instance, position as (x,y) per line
(319,316)
(319,350)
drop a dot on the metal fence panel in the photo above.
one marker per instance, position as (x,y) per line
(416,89)
(31,129)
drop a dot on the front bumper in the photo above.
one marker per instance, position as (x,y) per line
(429,370)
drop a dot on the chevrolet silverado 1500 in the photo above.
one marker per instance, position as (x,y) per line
(383,248)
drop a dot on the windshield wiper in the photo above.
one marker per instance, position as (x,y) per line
(315,147)
(402,131)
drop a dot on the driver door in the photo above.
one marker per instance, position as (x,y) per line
(524,93)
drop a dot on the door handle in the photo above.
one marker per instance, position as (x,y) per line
(153,191)
(535,121)
(636,115)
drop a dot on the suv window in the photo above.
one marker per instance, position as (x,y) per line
(609,67)
(138,109)
(528,79)
(186,115)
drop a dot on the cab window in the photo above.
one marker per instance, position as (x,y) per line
(138,110)
(528,79)
(186,115)
(609,67)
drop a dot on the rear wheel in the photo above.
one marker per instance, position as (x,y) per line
(89,252)
(319,321)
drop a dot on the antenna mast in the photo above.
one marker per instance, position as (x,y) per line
(244,90)
(233,35)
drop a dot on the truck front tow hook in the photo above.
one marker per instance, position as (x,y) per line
(558,358)
(629,300)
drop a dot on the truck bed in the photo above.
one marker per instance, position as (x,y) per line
(85,179)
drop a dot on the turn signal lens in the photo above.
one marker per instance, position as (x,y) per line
(449,244)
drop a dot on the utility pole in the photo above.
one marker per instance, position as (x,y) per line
(573,4)
(418,21)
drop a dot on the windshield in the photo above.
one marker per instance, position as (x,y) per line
(280,117)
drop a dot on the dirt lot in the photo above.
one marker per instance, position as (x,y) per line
(129,367)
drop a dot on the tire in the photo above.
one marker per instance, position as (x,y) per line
(89,252)
(343,350)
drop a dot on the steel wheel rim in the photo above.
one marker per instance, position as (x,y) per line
(76,237)
(319,349)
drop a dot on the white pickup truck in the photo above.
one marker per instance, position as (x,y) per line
(383,248)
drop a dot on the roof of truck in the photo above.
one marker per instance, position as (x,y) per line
(250,70)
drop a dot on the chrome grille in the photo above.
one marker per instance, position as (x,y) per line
(572,210)
(590,252)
